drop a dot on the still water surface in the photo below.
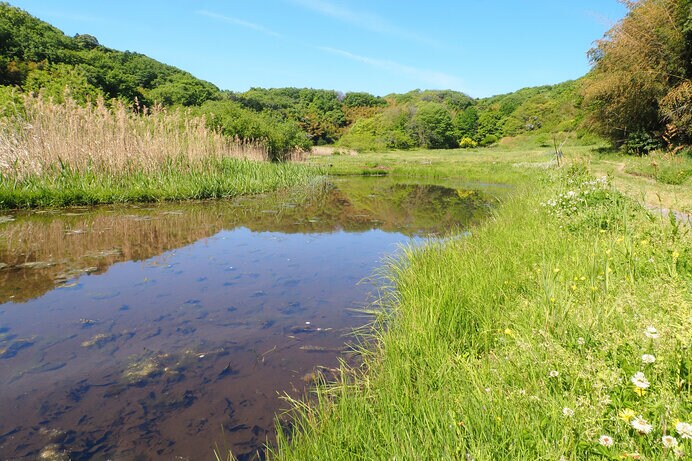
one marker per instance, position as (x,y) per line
(159,332)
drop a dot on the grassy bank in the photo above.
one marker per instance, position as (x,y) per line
(213,178)
(525,340)
(70,154)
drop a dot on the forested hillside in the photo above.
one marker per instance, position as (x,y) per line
(637,95)
(448,119)
(36,57)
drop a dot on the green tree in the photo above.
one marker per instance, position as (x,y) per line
(86,41)
(57,80)
(183,90)
(490,123)
(280,137)
(432,126)
(363,100)
(466,123)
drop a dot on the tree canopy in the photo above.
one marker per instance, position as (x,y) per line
(640,88)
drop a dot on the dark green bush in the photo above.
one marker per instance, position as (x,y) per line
(641,143)
(489,140)
(280,137)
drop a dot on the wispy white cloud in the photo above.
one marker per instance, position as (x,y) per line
(238,22)
(430,77)
(362,19)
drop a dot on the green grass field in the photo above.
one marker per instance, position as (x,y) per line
(561,329)
(184,180)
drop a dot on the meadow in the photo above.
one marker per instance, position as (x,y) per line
(557,330)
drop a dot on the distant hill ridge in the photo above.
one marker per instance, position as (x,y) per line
(35,56)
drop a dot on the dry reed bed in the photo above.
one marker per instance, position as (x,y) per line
(43,135)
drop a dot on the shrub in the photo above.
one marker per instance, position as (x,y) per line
(280,137)
(641,143)
(467,143)
(489,140)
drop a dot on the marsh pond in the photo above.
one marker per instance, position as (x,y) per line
(163,331)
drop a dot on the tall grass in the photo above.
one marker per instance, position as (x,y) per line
(523,341)
(42,134)
(61,154)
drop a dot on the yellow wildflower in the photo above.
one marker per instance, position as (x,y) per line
(626,415)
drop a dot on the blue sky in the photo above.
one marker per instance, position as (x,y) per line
(480,47)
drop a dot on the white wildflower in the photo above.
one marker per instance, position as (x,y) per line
(606,440)
(669,441)
(684,430)
(648,358)
(640,381)
(605,401)
(640,425)
(651,332)
(567,412)
(581,341)
(554,374)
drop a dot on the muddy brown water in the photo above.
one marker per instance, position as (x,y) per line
(161,332)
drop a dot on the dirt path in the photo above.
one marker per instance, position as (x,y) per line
(685,218)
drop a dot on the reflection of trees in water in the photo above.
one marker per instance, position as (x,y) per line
(41,250)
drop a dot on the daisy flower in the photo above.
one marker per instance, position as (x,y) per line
(648,358)
(651,332)
(684,430)
(640,425)
(640,381)
(606,440)
(669,441)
